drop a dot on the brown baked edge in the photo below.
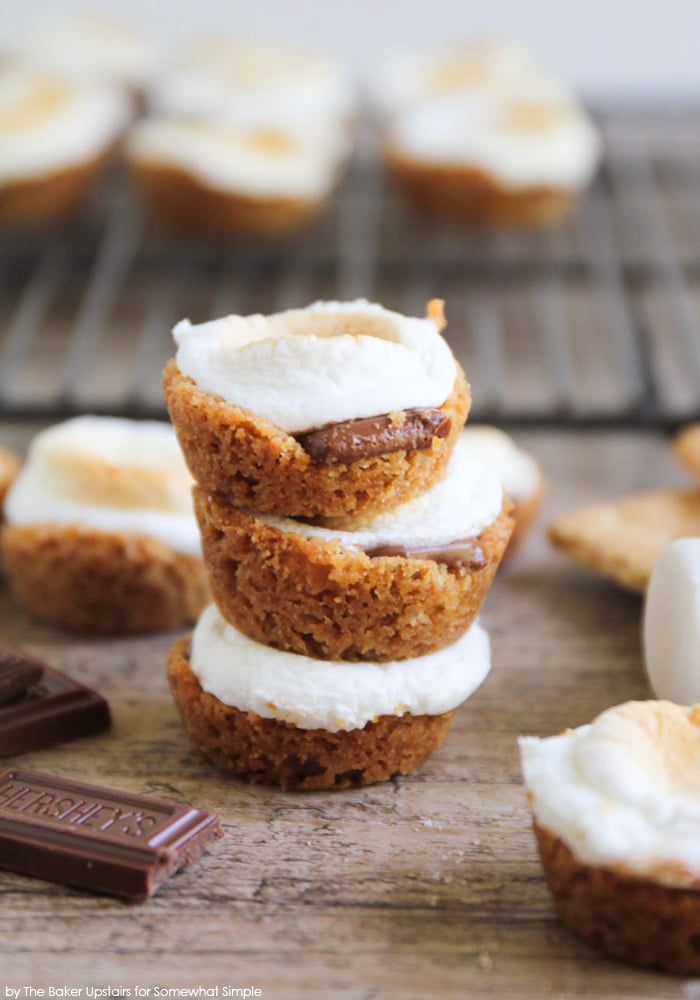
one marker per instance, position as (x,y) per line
(181,201)
(316,598)
(50,197)
(629,918)
(253,464)
(96,582)
(265,751)
(468,195)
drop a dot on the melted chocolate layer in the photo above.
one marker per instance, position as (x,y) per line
(351,440)
(464,553)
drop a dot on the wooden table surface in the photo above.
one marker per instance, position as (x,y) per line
(424,887)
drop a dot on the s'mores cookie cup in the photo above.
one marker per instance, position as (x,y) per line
(54,139)
(100,535)
(387,586)
(616,807)
(274,717)
(483,135)
(219,179)
(243,139)
(339,408)
(518,471)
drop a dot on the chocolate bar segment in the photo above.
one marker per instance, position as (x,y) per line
(465,553)
(55,710)
(351,440)
(95,837)
(18,671)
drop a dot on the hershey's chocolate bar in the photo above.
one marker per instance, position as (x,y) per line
(351,440)
(18,671)
(53,710)
(95,837)
(465,553)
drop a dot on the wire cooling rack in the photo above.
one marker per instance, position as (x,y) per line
(596,321)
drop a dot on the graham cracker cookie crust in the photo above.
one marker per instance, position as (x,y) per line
(43,199)
(253,464)
(181,201)
(265,751)
(316,597)
(468,195)
(630,918)
(91,581)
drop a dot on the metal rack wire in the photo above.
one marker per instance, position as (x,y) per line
(595,322)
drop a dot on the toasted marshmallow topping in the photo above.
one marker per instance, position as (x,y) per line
(253,86)
(624,792)
(90,47)
(461,505)
(410,77)
(672,623)
(47,124)
(491,107)
(517,470)
(107,474)
(252,162)
(521,141)
(323,694)
(330,362)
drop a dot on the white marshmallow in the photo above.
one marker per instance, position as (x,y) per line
(107,474)
(517,470)
(90,47)
(248,162)
(407,78)
(461,505)
(491,107)
(671,628)
(252,86)
(330,362)
(48,125)
(623,792)
(323,694)
(520,140)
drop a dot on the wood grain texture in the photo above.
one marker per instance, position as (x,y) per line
(424,887)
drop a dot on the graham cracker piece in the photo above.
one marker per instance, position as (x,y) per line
(622,539)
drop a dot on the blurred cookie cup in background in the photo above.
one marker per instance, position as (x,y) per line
(100,535)
(56,136)
(481,134)
(518,471)
(243,139)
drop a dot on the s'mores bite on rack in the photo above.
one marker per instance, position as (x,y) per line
(243,139)
(349,537)
(616,811)
(55,137)
(339,408)
(483,134)
(100,535)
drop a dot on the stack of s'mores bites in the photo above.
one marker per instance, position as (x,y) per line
(349,536)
